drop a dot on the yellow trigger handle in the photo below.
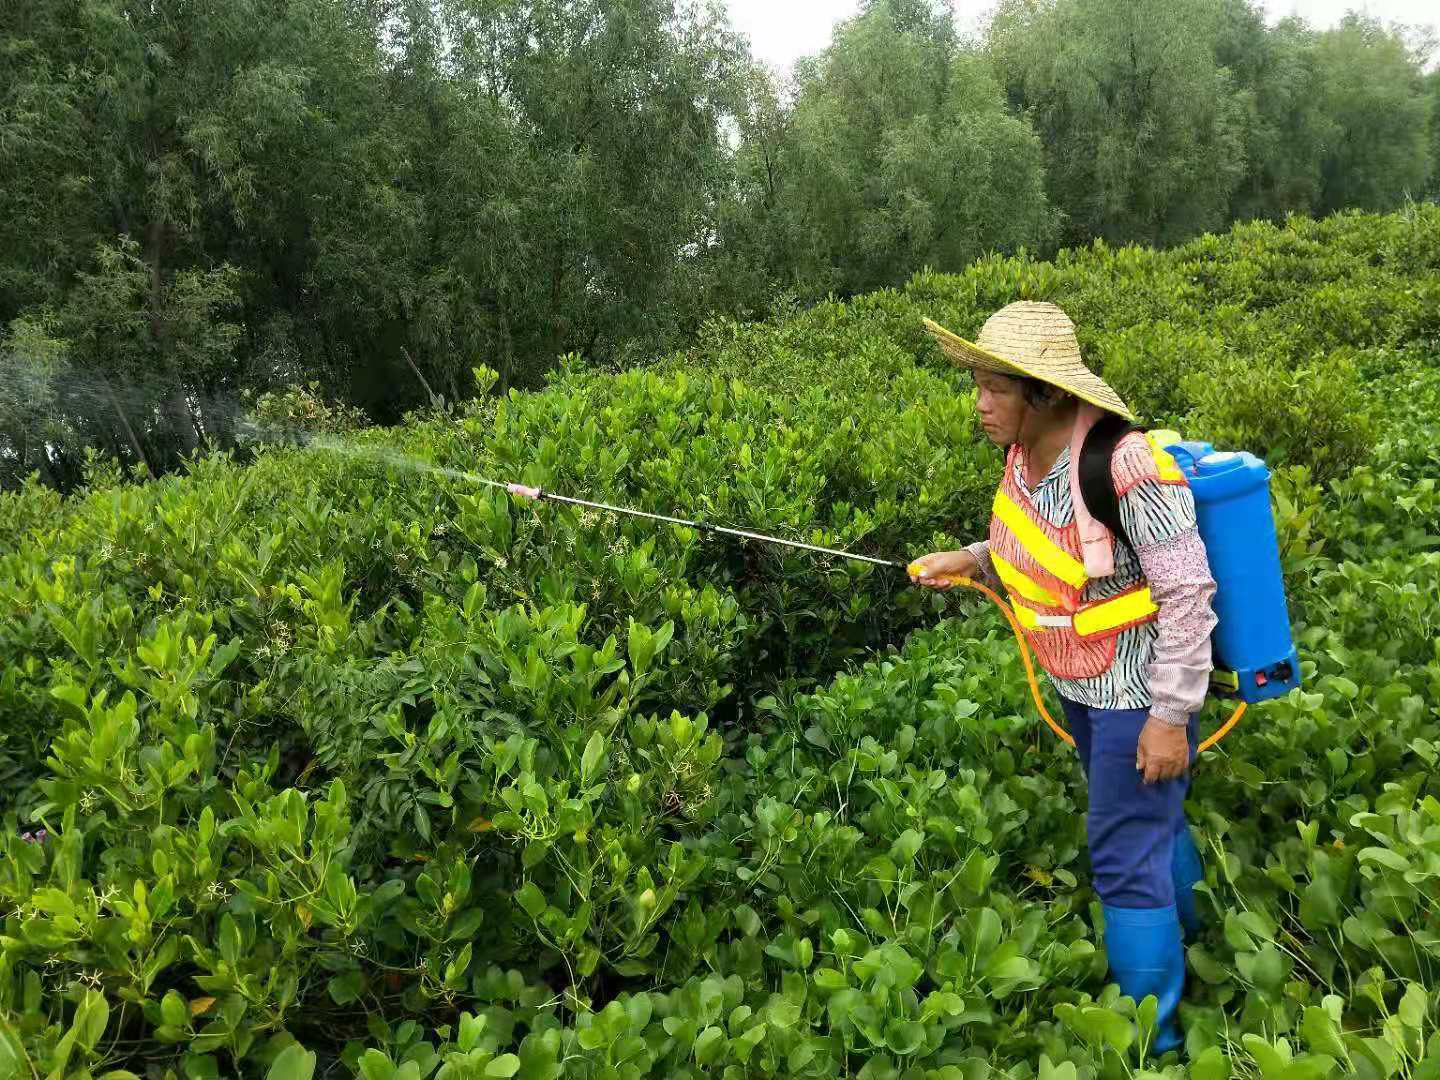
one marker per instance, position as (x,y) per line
(917,570)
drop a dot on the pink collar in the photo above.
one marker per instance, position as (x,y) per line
(1096,543)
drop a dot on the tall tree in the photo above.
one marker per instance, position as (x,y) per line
(1432,87)
(187,145)
(1142,126)
(1371,87)
(1286,129)
(897,153)
(576,158)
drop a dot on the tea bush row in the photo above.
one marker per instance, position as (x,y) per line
(344,766)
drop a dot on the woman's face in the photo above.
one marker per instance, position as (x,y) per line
(1001,407)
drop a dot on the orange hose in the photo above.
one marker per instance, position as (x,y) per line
(1224,728)
(1035,684)
(1024,654)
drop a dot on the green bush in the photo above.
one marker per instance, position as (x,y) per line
(1319,415)
(350,765)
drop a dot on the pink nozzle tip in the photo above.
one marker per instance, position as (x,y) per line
(523,491)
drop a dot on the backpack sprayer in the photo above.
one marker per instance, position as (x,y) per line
(1255,656)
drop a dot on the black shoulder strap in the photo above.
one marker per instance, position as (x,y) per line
(1096,485)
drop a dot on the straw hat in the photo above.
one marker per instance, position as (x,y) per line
(1034,339)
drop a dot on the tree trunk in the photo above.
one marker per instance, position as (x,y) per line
(125,423)
(48,468)
(177,405)
(507,353)
(183,420)
(428,392)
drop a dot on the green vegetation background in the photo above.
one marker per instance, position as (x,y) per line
(204,201)
(348,768)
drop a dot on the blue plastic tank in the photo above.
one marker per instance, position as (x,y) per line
(1255,656)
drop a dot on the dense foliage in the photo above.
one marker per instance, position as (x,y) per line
(331,764)
(379,195)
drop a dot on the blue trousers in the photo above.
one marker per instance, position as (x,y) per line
(1142,858)
(1132,825)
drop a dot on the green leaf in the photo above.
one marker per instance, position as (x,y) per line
(52,901)
(1050,1071)
(747,920)
(801,1054)
(1268,969)
(504,1066)
(638,1010)
(10,1053)
(592,1037)
(1145,1013)
(982,930)
(904,1036)
(1310,1067)
(1385,857)
(1321,1033)
(783,1014)
(829,979)
(531,899)
(977,870)
(231,945)
(466,925)
(590,760)
(346,987)
(1271,1062)
(906,846)
(1210,1065)
(708,1045)
(91,1018)
(374,1065)
(1345,687)
(1098,1025)
(292,1063)
(174,1011)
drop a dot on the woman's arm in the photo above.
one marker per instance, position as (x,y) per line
(1160,521)
(985,569)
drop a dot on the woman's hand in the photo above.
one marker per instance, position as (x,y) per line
(1164,751)
(941,567)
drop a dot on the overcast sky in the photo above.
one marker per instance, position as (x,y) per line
(782,30)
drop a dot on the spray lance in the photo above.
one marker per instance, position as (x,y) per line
(914,570)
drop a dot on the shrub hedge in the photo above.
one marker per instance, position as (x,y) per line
(327,763)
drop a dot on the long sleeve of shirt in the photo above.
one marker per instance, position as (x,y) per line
(1160,521)
(981,551)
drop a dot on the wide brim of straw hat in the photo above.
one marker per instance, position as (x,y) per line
(1034,339)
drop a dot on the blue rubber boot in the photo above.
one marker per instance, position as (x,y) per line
(1185,870)
(1146,957)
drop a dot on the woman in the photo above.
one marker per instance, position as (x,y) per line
(1121,625)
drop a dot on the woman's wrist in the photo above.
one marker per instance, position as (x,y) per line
(1167,715)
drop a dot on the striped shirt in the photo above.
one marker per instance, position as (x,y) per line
(1162,665)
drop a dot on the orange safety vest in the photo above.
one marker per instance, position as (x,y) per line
(1043,570)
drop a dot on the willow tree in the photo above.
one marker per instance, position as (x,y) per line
(1373,88)
(1142,126)
(897,153)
